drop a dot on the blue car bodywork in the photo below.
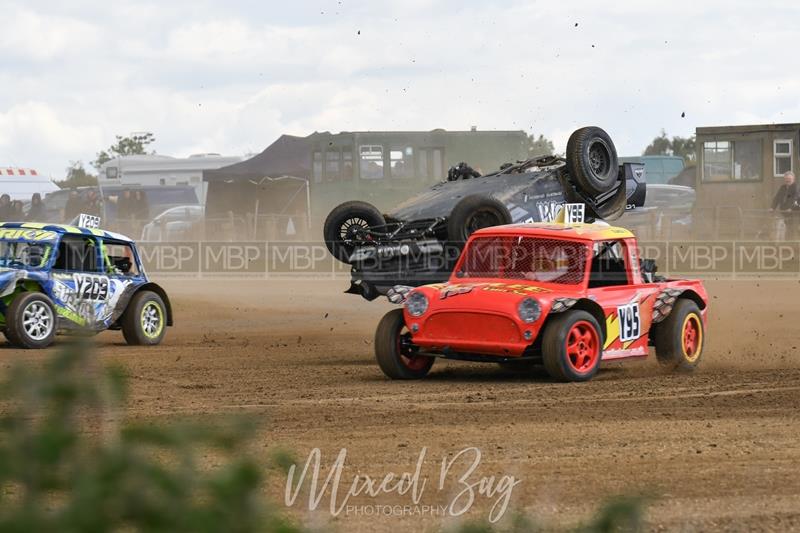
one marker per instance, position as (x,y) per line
(89,293)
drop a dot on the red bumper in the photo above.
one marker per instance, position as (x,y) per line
(476,332)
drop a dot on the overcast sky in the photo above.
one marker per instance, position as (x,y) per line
(229,77)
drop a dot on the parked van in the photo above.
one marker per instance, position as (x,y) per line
(153,169)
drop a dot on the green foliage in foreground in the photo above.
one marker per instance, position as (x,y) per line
(70,461)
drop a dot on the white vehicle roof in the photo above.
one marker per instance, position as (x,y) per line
(22,183)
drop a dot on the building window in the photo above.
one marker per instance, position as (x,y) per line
(747,160)
(332,165)
(347,163)
(317,167)
(371,164)
(782,156)
(731,161)
(401,163)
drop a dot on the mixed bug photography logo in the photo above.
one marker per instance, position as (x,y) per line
(451,487)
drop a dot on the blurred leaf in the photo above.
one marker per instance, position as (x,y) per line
(70,462)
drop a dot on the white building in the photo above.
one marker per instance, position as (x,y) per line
(22,183)
(163,170)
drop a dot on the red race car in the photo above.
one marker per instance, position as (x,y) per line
(558,295)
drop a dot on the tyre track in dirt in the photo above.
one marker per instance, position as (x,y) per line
(716,449)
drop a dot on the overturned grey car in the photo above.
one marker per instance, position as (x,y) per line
(419,241)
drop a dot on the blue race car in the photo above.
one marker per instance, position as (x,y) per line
(68,279)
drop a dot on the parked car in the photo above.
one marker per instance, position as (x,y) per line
(63,279)
(558,295)
(174,224)
(419,241)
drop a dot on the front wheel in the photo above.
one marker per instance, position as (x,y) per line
(31,321)
(394,352)
(145,319)
(347,224)
(679,337)
(572,346)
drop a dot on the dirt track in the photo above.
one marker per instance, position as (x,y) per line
(716,449)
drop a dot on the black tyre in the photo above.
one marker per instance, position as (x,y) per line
(592,161)
(145,320)
(572,346)
(393,352)
(679,337)
(31,321)
(343,225)
(475,212)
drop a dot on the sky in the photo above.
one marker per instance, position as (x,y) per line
(230,77)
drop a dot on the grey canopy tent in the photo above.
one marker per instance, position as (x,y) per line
(271,187)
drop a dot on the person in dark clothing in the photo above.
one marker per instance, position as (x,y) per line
(5,208)
(141,207)
(786,201)
(92,205)
(140,211)
(125,206)
(17,214)
(73,207)
(36,213)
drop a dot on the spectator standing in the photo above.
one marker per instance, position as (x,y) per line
(73,207)
(5,208)
(141,211)
(786,202)
(125,205)
(92,206)
(36,213)
(17,214)
(141,207)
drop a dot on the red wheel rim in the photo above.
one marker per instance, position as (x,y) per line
(692,337)
(409,360)
(583,347)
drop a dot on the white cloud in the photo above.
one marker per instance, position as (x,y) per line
(208,76)
(34,36)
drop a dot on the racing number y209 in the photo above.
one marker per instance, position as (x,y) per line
(89,287)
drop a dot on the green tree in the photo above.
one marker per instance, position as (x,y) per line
(77,176)
(539,146)
(71,461)
(681,146)
(134,144)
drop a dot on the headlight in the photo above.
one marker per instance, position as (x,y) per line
(529,310)
(417,304)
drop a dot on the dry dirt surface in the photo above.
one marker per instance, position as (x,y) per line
(717,449)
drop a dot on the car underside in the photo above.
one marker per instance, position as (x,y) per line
(420,240)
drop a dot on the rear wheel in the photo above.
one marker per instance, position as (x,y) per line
(31,321)
(592,160)
(145,319)
(679,337)
(475,212)
(572,346)
(346,223)
(394,351)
